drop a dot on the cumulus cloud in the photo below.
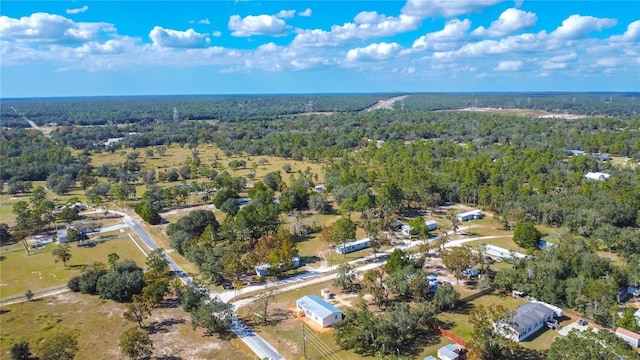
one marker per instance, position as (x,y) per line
(454,30)
(508,66)
(257,25)
(632,33)
(366,25)
(204,21)
(77,10)
(44,27)
(445,8)
(178,39)
(216,33)
(510,21)
(306,12)
(285,14)
(578,26)
(381,51)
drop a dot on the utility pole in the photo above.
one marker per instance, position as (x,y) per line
(304,344)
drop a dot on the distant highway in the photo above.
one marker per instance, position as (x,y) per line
(385,104)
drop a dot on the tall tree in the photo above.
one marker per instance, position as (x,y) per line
(590,345)
(345,277)
(62,252)
(487,340)
(526,235)
(458,259)
(137,310)
(135,343)
(58,345)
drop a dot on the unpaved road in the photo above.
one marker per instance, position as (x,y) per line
(385,104)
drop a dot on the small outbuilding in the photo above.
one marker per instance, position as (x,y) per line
(469,215)
(629,336)
(318,310)
(451,352)
(598,176)
(431,224)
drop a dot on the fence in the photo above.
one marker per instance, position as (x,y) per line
(450,336)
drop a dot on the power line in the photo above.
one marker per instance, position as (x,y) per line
(319,345)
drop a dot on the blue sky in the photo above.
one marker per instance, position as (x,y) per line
(90,48)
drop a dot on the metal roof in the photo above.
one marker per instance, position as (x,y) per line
(317,306)
(528,315)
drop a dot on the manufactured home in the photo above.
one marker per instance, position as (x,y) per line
(263,270)
(353,246)
(629,336)
(469,215)
(528,319)
(318,310)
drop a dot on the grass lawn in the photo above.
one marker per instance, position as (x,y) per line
(504,242)
(99,323)
(21,272)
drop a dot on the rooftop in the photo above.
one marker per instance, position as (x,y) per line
(628,333)
(318,306)
(528,315)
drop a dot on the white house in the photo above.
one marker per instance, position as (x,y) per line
(599,176)
(451,352)
(503,253)
(62,236)
(431,225)
(629,336)
(528,319)
(469,215)
(263,270)
(353,246)
(318,310)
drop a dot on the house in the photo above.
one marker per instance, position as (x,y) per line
(353,246)
(528,319)
(429,358)
(503,253)
(629,336)
(469,215)
(62,236)
(451,352)
(112,141)
(431,225)
(598,176)
(318,310)
(408,231)
(575,152)
(471,273)
(263,270)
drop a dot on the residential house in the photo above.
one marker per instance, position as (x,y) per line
(629,336)
(469,215)
(318,310)
(451,352)
(503,253)
(352,246)
(263,270)
(528,319)
(598,176)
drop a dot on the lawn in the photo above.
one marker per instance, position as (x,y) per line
(504,242)
(22,272)
(99,323)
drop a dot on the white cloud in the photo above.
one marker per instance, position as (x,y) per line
(578,26)
(285,14)
(632,33)
(306,12)
(113,46)
(44,27)
(608,62)
(204,21)
(257,25)
(178,39)
(77,10)
(509,66)
(216,34)
(454,30)
(366,25)
(445,8)
(510,21)
(565,58)
(381,51)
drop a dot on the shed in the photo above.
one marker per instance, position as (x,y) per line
(469,215)
(528,319)
(431,224)
(629,336)
(451,352)
(318,310)
(62,236)
(575,152)
(353,246)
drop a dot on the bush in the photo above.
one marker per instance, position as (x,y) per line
(526,235)
(147,213)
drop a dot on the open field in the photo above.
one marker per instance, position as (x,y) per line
(22,272)
(99,323)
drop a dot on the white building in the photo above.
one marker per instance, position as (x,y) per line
(469,215)
(629,336)
(599,176)
(451,352)
(503,253)
(431,224)
(318,310)
(263,270)
(528,319)
(353,246)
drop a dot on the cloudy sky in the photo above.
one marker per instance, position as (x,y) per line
(86,48)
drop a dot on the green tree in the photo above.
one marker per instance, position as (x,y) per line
(113,258)
(526,235)
(137,310)
(345,277)
(135,343)
(20,351)
(68,215)
(58,345)
(446,297)
(62,252)
(397,260)
(147,213)
(487,342)
(590,345)
(344,230)
(157,261)
(214,315)
(628,320)
(458,259)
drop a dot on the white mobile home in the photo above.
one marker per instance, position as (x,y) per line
(431,225)
(528,319)
(503,253)
(629,336)
(599,176)
(263,270)
(353,246)
(318,310)
(451,352)
(469,215)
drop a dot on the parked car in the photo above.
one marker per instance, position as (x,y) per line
(583,322)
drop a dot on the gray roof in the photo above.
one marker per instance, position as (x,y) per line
(528,315)
(318,306)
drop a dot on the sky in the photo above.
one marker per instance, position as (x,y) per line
(107,48)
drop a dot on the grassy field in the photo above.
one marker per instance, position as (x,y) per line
(22,272)
(99,323)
